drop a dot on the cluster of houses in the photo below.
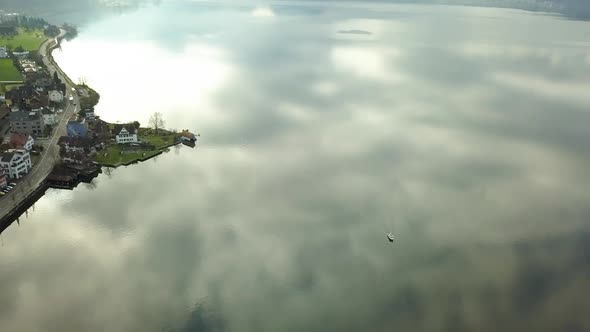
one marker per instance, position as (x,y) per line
(28,66)
(31,108)
(27,112)
(87,134)
(15,158)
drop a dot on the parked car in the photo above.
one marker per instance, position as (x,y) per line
(2,193)
(9,187)
(12,184)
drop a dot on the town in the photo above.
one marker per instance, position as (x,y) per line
(51,134)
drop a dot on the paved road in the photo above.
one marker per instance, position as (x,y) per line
(51,152)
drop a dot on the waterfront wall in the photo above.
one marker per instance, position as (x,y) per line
(21,206)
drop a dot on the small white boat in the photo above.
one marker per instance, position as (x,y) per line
(390,237)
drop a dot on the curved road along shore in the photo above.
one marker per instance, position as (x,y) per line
(27,184)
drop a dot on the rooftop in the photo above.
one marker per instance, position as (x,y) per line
(9,155)
(6,156)
(24,116)
(129,127)
(17,139)
(75,141)
(76,119)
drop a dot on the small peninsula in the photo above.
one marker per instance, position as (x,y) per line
(53,136)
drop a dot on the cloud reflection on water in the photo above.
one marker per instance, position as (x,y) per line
(313,147)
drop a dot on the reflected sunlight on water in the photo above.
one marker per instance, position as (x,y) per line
(461,130)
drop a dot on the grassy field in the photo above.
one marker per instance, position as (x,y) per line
(159,141)
(8,71)
(114,156)
(29,40)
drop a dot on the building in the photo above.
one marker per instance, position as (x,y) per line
(126,134)
(26,122)
(75,157)
(48,116)
(43,81)
(76,150)
(75,144)
(16,95)
(16,163)
(3,52)
(21,141)
(38,100)
(28,66)
(28,96)
(186,135)
(88,112)
(77,127)
(21,55)
(56,96)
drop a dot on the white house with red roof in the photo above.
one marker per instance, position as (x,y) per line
(21,141)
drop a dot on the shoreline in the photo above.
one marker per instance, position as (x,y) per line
(35,192)
(51,171)
(145,144)
(140,160)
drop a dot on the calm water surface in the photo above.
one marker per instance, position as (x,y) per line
(462,130)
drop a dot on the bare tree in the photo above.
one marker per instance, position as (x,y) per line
(91,185)
(156,121)
(108,171)
(82,81)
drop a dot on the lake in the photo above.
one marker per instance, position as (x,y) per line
(324,126)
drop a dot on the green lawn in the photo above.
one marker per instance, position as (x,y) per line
(113,152)
(114,156)
(29,40)
(159,141)
(8,71)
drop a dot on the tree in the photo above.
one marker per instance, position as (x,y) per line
(48,130)
(51,31)
(136,124)
(156,121)
(108,171)
(19,49)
